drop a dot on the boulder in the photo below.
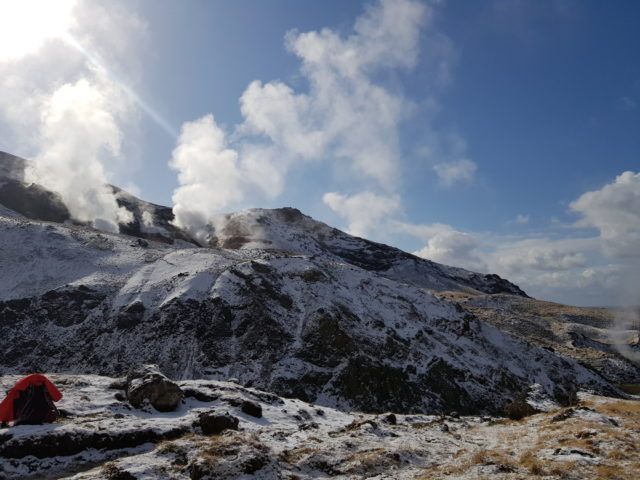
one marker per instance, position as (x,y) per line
(251,408)
(391,419)
(213,423)
(147,382)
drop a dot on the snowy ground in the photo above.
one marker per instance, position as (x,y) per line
(101,436)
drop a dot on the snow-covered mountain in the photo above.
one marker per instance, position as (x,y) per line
(277,300)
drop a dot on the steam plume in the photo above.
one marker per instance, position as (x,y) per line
(345,117)
(76,105)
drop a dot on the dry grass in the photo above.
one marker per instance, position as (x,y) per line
(529,461)
(371,461)
(465,461)
(527,447)
(617,472)
(627,409)
(563,470)
(296,454)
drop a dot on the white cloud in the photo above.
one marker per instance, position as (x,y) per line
(346,118)
(458,171)
(27,24)
(522,219)
(542,266)
(445,244)
(345,115)
(539,254)
(615,211)
(366,212)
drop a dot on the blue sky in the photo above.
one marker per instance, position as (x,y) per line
(500,116)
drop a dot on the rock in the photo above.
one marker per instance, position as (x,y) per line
(519,409)
(118,384)
(562,416)
(213,423)
(251,408)
(130,316)
(390,419)
(308,426)
(146,382)
(200,395)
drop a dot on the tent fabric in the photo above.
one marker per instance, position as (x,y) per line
(7,413)
(34,406)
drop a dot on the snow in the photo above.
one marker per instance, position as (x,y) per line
(293,438)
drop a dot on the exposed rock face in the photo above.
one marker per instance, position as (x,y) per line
(147,383)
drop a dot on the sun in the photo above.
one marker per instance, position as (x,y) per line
(25,25)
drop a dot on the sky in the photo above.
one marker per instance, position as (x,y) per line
(501,136)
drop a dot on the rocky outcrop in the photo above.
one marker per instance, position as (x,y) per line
(145,383)
(251,408)
(213,423)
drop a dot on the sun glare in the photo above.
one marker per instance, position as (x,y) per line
(25,25)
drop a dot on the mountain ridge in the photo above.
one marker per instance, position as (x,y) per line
(296,307)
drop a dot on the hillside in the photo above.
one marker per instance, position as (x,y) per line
(279,301)
(102,437)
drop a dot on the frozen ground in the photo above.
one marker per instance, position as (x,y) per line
(101,436)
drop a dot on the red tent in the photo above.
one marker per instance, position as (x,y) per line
(6,407)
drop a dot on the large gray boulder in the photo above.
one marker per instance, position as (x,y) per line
(147,382)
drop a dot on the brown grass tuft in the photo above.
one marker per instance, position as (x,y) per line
(530,461)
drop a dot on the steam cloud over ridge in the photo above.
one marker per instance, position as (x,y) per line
(61,89)
(345,118)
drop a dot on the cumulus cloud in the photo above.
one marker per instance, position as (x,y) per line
(445,244)
(553,268)
(539,254)
(615,211)
(61,102)
(347,117)
(458,171)
(365,212)
(522,219)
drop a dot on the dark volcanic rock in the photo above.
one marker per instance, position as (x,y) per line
(33,201)
(213,423)
(61,442)
(146,382)
(251,408)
